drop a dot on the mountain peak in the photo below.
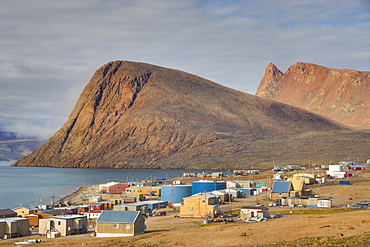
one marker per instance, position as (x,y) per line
(340,94)
(136,115)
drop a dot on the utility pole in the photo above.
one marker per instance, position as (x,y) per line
(52,205)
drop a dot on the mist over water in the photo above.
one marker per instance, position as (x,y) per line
(27,185)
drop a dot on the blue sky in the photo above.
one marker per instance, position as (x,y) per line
(50,49)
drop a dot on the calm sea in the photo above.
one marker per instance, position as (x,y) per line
(29,185)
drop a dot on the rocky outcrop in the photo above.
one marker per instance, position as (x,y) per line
(339,94)
(135,115)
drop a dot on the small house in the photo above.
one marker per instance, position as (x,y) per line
(14,227)
(93,214)
(202,205)
(281,189)
(120,224)
(259,212)
(23,211)
(63,224)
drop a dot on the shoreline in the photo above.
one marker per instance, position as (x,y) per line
(73,195)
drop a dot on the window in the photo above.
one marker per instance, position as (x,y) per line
(191,209)
(127,226)
(59,223)
(203,201)
(115,226)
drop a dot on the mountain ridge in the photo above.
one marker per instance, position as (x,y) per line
(137,115)
(339,94)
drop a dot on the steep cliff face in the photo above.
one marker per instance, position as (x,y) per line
(135,115)
(340,94)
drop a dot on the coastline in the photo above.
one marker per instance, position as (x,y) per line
(73,196)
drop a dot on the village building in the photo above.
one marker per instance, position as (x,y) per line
(130,199)
(142,208)
(153,204)
(202,205)
(63,225)
(223,195)
(35,217)
(138,196)
(240,184)
(248,191)
(93,214)
(66,210)
(299,189)
(248,212)
(306,202)
(14,227)
(336,171)
(120,224)
(281,189)
(113,187)
(7,213)
(149,191)
(23,211)
(234,193)
(356,167)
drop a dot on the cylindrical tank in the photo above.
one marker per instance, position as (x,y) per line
(335,168)
(175,193)
(205,185)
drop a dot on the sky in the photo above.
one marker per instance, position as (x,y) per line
(49,49)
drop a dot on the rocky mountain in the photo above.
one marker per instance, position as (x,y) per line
(13,148)
(340,94)
(136,115)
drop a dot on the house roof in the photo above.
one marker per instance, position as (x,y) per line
(254,207)
(7,212)
(281,187)
(118,217)
(27,208)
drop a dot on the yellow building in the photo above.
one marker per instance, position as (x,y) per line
(201,206)
(151,191)
(23,211)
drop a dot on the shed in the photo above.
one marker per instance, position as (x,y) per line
(247,212)
(120,224)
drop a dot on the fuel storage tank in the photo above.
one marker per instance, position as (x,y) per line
(175,193)
(205,185)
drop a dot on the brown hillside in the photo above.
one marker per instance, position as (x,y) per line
(340,94)
(135,115)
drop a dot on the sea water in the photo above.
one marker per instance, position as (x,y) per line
(28,186)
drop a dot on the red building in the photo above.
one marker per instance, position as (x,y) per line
(113,187)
